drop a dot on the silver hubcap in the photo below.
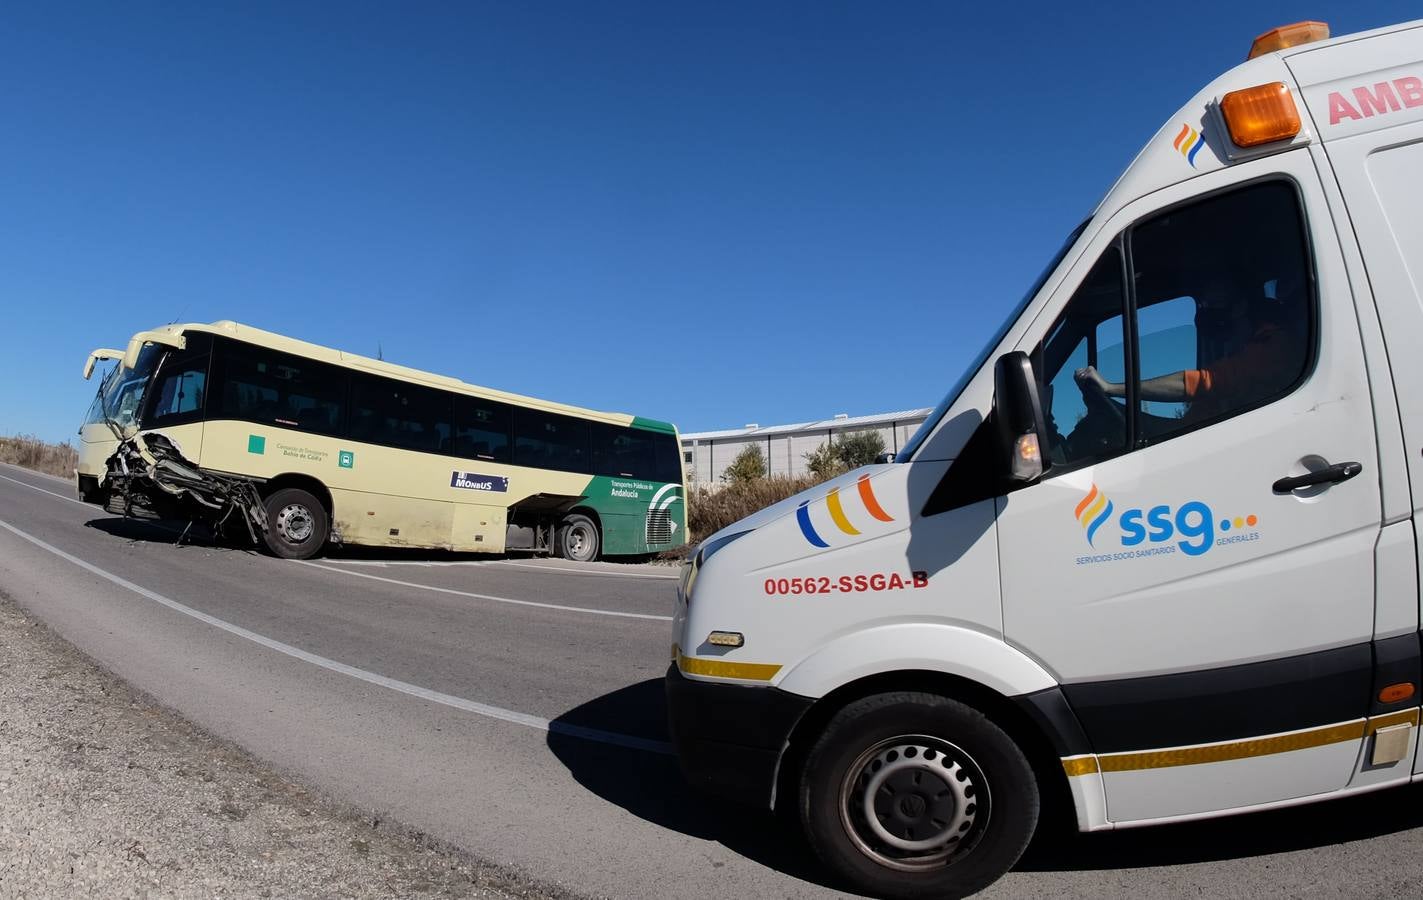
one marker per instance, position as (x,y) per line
(914,802)
(295,523)
(578,540)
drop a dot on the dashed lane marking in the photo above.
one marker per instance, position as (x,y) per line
(414,690)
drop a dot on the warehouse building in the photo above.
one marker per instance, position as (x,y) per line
(708,453)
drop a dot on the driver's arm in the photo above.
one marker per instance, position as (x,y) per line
(1171,388)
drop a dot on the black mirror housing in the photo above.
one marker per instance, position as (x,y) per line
(1018,409)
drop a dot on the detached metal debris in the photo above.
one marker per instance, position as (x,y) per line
(149,478)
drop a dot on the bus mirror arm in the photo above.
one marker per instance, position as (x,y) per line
(1018,410)
(135,346)
(101,353)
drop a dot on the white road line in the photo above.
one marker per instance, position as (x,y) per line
(420,563)
(445,590)
(483,709)
(51,493)
(68,481)
(562,570)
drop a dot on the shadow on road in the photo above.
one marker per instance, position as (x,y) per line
(159,532)
(650,786)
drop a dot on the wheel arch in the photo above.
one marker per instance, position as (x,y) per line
(591,513)
(1020,697)
(313,486)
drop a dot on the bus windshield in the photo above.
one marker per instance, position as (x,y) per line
(123,391)
(982,356)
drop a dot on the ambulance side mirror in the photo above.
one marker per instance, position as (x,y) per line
(1022,428)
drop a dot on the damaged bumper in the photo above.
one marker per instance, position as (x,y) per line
(148,478)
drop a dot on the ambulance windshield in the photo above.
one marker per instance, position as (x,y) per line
(982,356)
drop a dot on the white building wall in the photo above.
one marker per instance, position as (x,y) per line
(785,446)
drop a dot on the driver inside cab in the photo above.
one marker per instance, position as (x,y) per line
(1258,329)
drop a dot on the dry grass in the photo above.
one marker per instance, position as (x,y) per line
(711,509)
(32,453)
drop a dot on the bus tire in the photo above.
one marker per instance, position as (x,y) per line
(578,539)
(297,524)
(910,794)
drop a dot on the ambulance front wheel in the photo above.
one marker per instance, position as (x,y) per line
(916,795)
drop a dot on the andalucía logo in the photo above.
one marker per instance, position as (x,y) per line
(1093,511)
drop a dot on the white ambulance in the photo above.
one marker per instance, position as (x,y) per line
(1154,553)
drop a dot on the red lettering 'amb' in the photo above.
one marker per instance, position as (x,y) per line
(1339,108)
(1378,101)
(1410,90)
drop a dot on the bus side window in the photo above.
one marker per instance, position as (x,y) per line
(400,414)
(481,429)
(550,441)
(665,463)
(254,384)
(621,452)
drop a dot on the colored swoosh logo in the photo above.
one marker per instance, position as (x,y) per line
(835,506)
(1188,143)
(1093,512)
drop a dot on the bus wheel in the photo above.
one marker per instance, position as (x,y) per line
(296,524)
(578,539)
(915,795)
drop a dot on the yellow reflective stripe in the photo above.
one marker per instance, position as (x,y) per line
(1406,717)
(718,668)
(1191,756)
(1211,753)
(837,513)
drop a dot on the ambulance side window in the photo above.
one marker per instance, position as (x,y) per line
(1083,425)
(1225,308)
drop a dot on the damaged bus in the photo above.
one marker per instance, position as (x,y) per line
(297,445)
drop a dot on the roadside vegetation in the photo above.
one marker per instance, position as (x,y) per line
(32,453)
(746,487)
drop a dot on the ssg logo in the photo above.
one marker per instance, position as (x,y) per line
(1190,528)
(1094,510)
(1188,143)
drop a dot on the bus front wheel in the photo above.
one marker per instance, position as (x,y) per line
(910,794)
(297,525)
(577,539)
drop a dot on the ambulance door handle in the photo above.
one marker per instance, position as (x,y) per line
(1327,475)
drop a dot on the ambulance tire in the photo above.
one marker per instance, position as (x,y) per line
(955,801)
(577,539)
(297,524)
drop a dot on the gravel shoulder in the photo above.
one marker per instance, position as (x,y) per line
(104,793)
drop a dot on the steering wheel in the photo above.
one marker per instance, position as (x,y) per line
(1097,401)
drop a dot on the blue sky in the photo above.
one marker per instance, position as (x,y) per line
(713,213)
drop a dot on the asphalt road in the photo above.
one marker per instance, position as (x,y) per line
(514,709)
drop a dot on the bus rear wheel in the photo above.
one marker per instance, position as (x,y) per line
(297,525)
(577,539)
(910,794)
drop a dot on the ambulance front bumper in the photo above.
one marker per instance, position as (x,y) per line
(729,737)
